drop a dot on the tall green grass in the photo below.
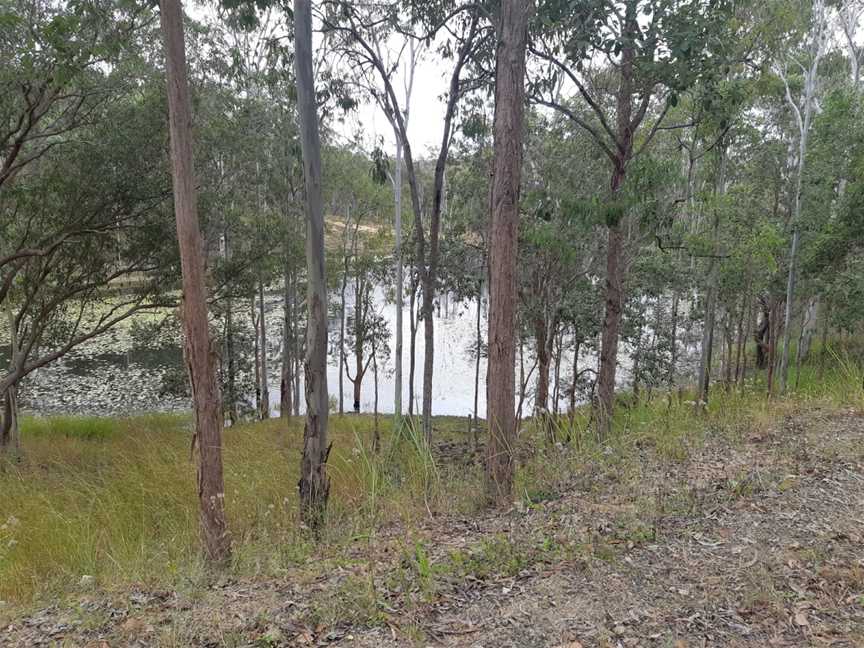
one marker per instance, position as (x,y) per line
(116,498)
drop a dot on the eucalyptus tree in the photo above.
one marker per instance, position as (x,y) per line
(511,32)
(314,483)
(815,43)
(361,34)
(200,360)
(53,80)
(368,333)
(85,220)
(628,61)
(851,13)
(830,267)
(81,202)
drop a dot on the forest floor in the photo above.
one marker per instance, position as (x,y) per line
(748,539)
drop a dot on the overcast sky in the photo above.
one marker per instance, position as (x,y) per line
(426,120)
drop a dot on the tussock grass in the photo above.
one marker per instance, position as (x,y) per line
(115,498)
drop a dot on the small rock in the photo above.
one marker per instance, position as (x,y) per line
(87,581)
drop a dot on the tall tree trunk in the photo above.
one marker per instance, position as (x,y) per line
(298,348)
(615,261)
(230,352)
(206,398)
(673,341)
(745,356)
(763,333)
(511,31)
(823,346)
(428,303)
(707,348)
(256,354)
(314,483)
(477,352)
(809,328)
(804,117)
(345,266)
(576,345)
(805,339)
(787,318)
(262,323)
(610,333)
(559,350)
(10,435)
(541,397)
(359,338)
(376,439)
(286,392)
(400,289)
(773,330)
(743,316)
(412,364)
(727,336)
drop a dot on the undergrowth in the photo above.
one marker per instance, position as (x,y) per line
(114,499)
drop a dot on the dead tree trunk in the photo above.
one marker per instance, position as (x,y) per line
(206,398)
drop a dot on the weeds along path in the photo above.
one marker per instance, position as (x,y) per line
(758,541)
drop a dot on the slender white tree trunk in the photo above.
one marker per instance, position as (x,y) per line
(262,323)
(818,38)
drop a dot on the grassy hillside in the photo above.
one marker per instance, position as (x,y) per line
(113,500)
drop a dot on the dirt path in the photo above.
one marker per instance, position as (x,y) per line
(777,561)
(753,544)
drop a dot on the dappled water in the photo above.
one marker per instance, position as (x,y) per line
(120,373)
(124,372)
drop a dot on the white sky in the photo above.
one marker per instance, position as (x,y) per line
(426,119)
